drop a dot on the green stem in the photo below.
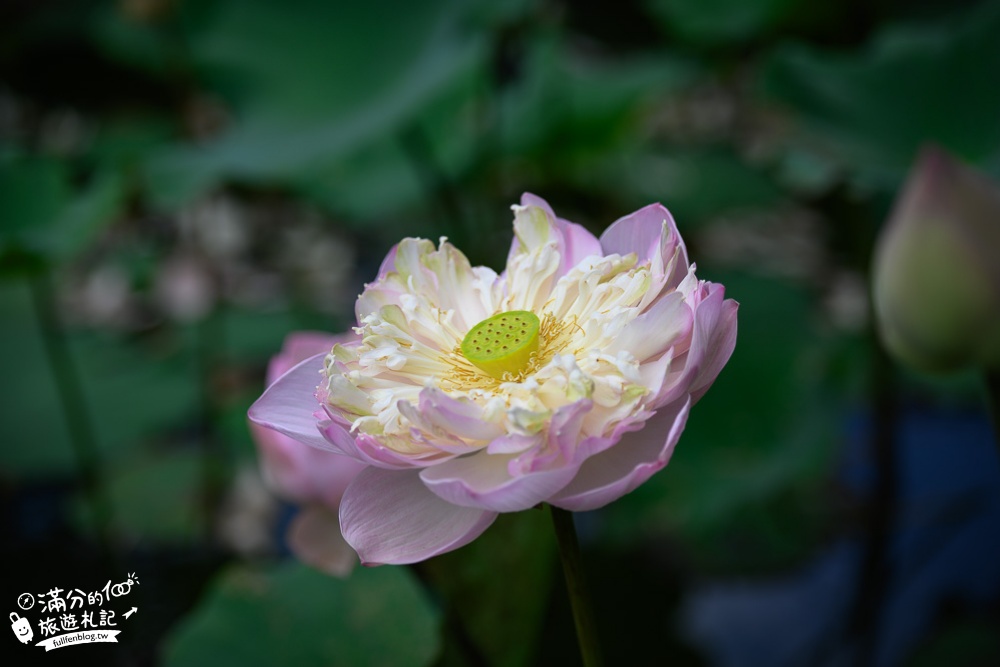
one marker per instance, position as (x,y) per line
(81,430)
(579,598)
(993,401)
(209,345)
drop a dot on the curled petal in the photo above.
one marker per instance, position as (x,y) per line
(574,241)
(369,451)
(390,517)
(440,276)
(460,417)
(614,472)
(484,480)
(652,235)
(642,232)
(388,264)
(713,338)
(289,405)
(662,326)
(717,348)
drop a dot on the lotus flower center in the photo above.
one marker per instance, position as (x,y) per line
(503,345)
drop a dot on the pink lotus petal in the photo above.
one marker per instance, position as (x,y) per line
(369,451)
(613,473)
(667,321)
(315,539)
(718,347)
(713,339)
(390,517)
(574,241)
(561,444)
(388,264)
(459,417)
(483,480)
(528,199)
(300,473)
(595,445)
(652,234)
(288,405)
(642,233)
(513,443)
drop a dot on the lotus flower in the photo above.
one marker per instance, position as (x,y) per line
(567,379)
(311,477)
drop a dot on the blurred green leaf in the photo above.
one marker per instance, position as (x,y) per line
(41,215)
(872,110)
(350,78)
(568,106)
(292,615)
(33,192)
(372,181)
(156,497)
(123,142)
(498,586)
(94,208)
(724,21)
(142,44)
(694,185)
(133,393)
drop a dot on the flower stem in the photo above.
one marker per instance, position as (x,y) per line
(993,402)
(81,428)
(579,598)
(209,341)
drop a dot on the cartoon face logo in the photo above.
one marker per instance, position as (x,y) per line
(21,628)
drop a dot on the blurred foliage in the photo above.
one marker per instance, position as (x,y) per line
(496,594)
(973,642)
(870,111)
(291,614)
(200,177)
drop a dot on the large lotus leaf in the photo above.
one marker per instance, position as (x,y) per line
(870,111)
(292,615)
(308,82)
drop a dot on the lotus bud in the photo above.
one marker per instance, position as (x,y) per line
(937,268)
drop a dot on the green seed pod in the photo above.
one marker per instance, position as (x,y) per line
(503,343)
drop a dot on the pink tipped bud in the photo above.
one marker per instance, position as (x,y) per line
(937,268)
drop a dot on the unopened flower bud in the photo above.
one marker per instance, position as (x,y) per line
(937,268)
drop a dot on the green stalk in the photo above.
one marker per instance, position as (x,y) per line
(579,597)
(63,367)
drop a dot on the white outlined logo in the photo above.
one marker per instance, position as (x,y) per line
(76,617)
(21,627)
